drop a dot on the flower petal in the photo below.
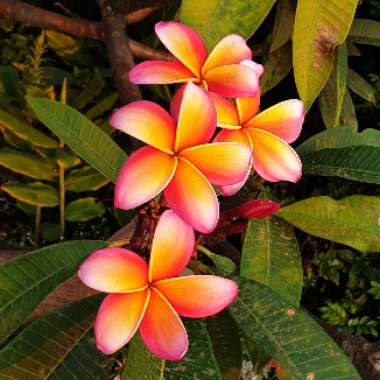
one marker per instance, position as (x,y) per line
(147,122)
(176,101)
(256,208)
(192,197)
(118,318)
(162,330)
(229,190)
(284,120)
(198,296)
(256,67)
(273,158)
(172,246)
(240,136)
(143,176)
(196,119)
(223,163)
(231,49)
(114,270)
(160,72)
(248,107)
(183,43)
(233,81)
(226,112)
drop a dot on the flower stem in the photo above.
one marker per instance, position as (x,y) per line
(37,228)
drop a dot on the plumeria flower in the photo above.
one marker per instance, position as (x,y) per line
(150,298)
(178,159)
(267,133)
(228,70)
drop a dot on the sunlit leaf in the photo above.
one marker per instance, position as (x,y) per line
(215,19)
(271,256)
(289,335)
(84,209)
(83,136)
(353,220)
(28,279)
(28,164)
(34,193)
(319,27)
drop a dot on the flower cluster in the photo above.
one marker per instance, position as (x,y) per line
(183,157)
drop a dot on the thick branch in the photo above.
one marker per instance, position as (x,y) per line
(30,15)
(119,53)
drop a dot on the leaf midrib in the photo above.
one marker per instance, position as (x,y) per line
(269,334)
(84,142)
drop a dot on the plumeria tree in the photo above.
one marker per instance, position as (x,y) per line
(193,174)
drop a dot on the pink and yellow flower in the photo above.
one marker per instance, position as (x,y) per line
(228,70)
(178,159)
(150,298)
(267,133)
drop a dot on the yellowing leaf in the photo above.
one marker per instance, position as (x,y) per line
(320,25)
(35,193)
(215,19)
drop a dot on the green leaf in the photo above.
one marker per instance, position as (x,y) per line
(199,362)
(102,106)
(276,67)
(289,335)
(27,280)
(353,220)
(361,87)
(34,193)
(50,231)
(365,32)
(65,46)
(341,81)
(84,209)
(283,24)
(26,132)
(224,264)
(28,209)
(348,116)
(84,179)
(215,19)
(83,136)
(225,338)
(319,27)
(14,141)
(271,256)
(62,157)
(57,346)
(28,164)
(93,89)
(357,163)
(10,85)
(339,138)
